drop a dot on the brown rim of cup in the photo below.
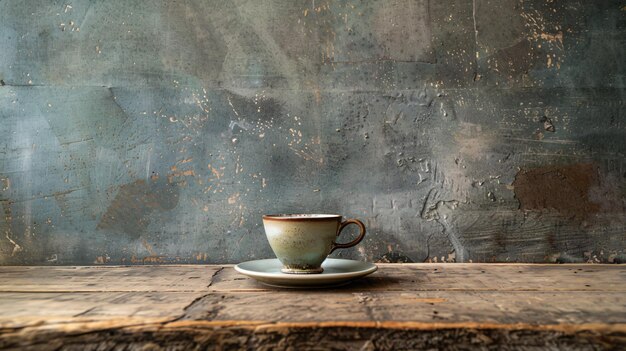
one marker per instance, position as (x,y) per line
(302,217)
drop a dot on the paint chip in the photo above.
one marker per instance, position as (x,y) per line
(547,124)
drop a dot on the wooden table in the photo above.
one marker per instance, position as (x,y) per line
(410,306)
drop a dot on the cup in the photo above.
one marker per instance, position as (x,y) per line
(303,241)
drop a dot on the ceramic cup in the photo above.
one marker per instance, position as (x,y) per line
(303,241)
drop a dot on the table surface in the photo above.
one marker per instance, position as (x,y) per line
(499,306)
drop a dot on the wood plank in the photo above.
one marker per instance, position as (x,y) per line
(483,307)
(414,306)
(106,278)
(21,309)
(207,335)
(465,277)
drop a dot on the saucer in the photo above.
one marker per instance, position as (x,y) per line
(336,272)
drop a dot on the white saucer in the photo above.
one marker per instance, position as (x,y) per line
(336,272)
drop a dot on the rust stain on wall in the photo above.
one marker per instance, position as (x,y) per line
(102,259)
(161,259)
(133,203)
(563,188)
(148,247)
(178,174)
(553,38)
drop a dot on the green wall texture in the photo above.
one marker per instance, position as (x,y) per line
(136,132)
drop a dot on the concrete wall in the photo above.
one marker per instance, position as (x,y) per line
(457,130)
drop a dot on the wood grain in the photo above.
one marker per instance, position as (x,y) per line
(444,306)
(102,278)
(467,277)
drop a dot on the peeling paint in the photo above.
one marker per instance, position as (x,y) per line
(6,183)
(16,247)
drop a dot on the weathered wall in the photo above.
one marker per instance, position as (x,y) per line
(141,132)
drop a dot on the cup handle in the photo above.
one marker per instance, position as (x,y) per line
(353,242)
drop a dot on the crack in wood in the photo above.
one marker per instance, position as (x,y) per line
(85,312)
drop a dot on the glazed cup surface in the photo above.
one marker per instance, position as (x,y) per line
(303,241)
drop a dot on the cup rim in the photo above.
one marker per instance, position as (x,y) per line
(301,217)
